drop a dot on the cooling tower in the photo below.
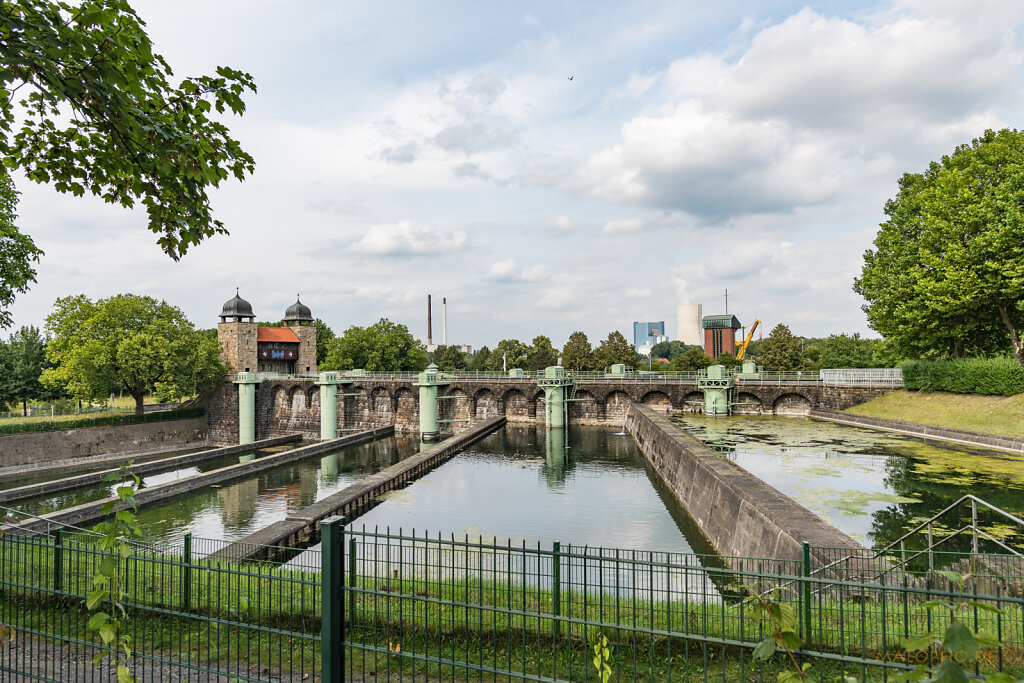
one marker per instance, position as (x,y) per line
(688,328)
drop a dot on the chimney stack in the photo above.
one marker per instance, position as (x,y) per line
(430,331)
(444,324)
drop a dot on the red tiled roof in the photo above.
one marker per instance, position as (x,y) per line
(275,334)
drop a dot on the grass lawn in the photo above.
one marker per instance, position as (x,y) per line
(988,414)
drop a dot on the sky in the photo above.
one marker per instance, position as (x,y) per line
(551,167)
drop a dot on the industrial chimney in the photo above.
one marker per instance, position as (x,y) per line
(688,324)
(444,319)
(430,331)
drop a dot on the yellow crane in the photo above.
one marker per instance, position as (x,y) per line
(746,342)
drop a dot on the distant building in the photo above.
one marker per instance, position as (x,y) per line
(246,347)
(720,334)
(648,334)
(688,328)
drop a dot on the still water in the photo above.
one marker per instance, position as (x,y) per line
(872,485)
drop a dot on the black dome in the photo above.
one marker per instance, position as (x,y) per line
(298,312)
(237,307)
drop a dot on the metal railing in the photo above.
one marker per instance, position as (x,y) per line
(421,607)
(863,377)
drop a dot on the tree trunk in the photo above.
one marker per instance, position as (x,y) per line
(24,408)
(1015,339)
(138,402)
(958,348)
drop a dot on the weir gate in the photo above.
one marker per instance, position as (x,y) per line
(320,406)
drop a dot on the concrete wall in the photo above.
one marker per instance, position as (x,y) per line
(1007,443)
(69,445)
(739,514)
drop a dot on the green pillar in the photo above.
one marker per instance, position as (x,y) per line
(246,382)
(328,405)
(555,461)
(554,383)
(428,384)
(717,384)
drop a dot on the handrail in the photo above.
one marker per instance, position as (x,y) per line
(16,524)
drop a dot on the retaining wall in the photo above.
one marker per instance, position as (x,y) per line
(67,446)
(738,514)
(1007,443)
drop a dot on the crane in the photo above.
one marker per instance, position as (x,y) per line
(746,342)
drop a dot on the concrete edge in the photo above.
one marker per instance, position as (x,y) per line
(93,510)
(148,467)
(995,441)
(304,523)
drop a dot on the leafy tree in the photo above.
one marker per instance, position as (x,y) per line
(668,350)
(727,359)
(615,349)
(24,360)
(508,354)
(847,351)
(450,359)
(542,354)
(576,355)
(102,116)
(129,342)
(781,350)
(946,275)
(382,347)
(478,361)
(17,251)
(324,335)
(691,360)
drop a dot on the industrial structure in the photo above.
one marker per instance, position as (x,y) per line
(720,334)
(688,324)
(431,346)
(247,347)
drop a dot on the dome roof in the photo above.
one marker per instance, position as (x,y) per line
(298,312)
(237,307)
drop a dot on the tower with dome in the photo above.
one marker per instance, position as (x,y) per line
(248,347)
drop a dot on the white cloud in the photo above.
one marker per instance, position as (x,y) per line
(623,225)
(405,239)
(562,223)
(634,293)
(509,270)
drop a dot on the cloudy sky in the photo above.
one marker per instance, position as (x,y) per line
(412,148)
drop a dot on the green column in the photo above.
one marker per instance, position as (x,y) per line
(246,382)
(554,407)
(428,384)
(555,460)
(328,405)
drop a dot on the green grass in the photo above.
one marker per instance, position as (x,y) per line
(986,414)
(270,616)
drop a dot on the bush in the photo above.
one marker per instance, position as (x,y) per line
(990,376)
(129,418)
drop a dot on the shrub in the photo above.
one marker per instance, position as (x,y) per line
(128,418)
(990,376)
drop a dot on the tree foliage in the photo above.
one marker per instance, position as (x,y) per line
(17,251)
(450,359)
(576,355)
(669,350)
(382,347)
(542,353)
(478,360)
(691,360)
(847,351)
(946,274)
(324,335)
(508,354)
(615,349)
(102,115)
(781,350)
(128,342)
(23,360)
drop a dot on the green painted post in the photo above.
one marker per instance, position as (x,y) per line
(428,403)
(328,405)
(186,574)
(58,560)
(246,382)
(557,600)
(554,401)
(332,608)
(807,593)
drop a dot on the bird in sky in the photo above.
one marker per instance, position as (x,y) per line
(570,78)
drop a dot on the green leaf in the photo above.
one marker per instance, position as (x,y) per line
(97,620)
(949,672)
(124,675)
(986,607)
(790,638)
(932,604)
(107,566)
(918,674)
(764,649)
(1000,678)
(96,598)
(958,579)
(108,632)
(920,642)
(959,639)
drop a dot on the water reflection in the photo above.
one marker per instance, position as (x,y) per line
(874,486)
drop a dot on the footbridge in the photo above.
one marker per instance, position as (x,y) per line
(355,400)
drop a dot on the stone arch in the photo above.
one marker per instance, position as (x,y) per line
(537,403)
(297,400)
(353,410)
(453,409)
(616,405)
(312,394)
(280,401)
(589,411)
(693,402)
(657,400)
(485,405)
(381,408)
(792,404)
(747,404)
(517,406)
(407,410)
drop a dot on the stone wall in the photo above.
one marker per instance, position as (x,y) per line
(1007,443)
(738,514)
(68,445)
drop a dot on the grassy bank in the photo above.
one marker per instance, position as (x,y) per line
(987,414)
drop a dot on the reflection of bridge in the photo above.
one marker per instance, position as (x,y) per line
(286,404)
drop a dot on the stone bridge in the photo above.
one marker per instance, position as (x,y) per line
(286,406)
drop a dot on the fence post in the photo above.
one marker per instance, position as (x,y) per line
(58,560)
(186,574)
(557,577)
(807,593)
(332,594)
